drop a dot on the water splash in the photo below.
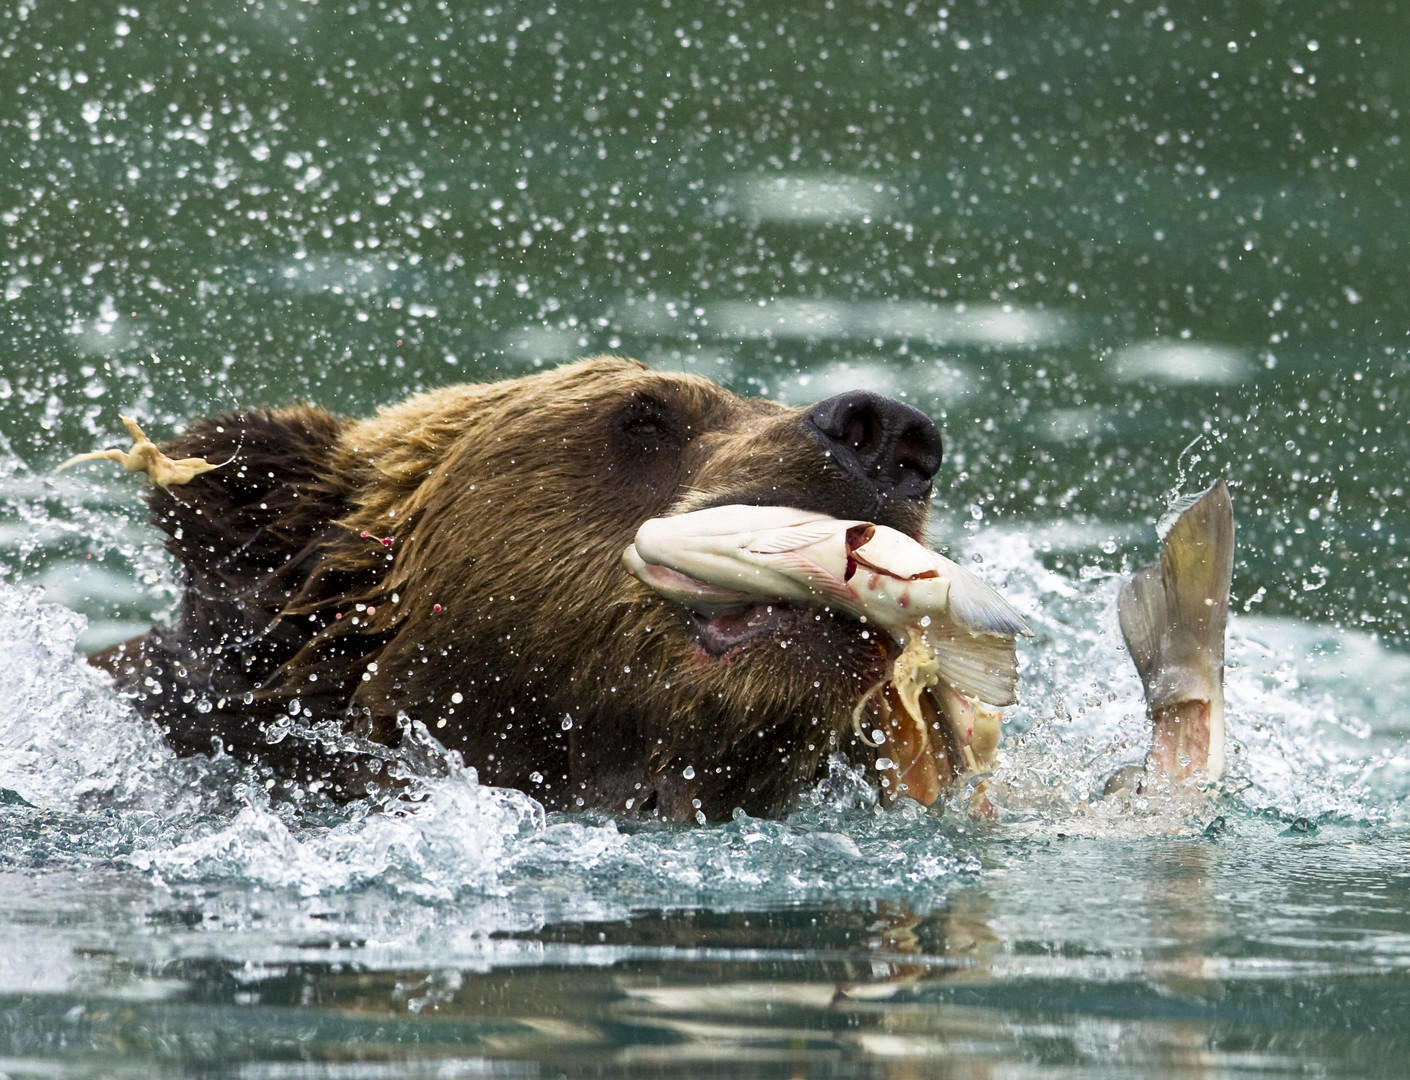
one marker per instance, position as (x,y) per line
(1301,747)
(1303,703)
(455,839)
(67,741)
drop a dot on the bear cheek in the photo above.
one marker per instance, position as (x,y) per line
(816,661)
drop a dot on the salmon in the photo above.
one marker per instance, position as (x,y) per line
(937,712)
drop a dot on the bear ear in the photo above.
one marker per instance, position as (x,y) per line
(274,470)
(608,361)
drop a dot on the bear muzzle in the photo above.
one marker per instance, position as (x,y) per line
(892,447)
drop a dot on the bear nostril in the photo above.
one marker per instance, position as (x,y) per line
(888,443)
(918,450)
(859,432)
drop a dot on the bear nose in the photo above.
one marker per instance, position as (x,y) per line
(891,445)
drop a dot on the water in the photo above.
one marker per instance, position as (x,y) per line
(1115,251)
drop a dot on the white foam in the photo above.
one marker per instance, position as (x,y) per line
(1301,747)
(66,740)
(457,838)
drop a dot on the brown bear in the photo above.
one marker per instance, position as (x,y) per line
(455,560)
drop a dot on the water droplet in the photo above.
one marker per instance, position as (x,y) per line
(689,772)
(567,723)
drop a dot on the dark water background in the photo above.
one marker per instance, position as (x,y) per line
(1116,250)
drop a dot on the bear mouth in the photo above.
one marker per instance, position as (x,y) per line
(828,643)
(733,618)
(779,624)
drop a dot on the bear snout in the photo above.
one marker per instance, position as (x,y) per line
(891,446)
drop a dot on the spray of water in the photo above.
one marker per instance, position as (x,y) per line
(1302,747)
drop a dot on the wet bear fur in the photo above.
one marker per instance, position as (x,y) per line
(455,560)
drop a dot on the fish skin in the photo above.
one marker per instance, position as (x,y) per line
(716,546)
(1173,616)
(692,592)
(777,553)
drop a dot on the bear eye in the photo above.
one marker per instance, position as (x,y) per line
(648,424)
(645,427)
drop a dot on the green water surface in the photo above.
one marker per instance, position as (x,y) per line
(1115,249)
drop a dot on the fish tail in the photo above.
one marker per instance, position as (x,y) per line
(1173,616)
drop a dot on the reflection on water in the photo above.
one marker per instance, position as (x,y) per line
(148,919)
(1180,362)
(817,199)
(982,324)
(1002,325)
(1067,954)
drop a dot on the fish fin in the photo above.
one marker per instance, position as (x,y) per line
(1140,608)
(1173,512)
(818,577)
(778,541)
(923,765)
(982,666)
(978,607)
(1174,613)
